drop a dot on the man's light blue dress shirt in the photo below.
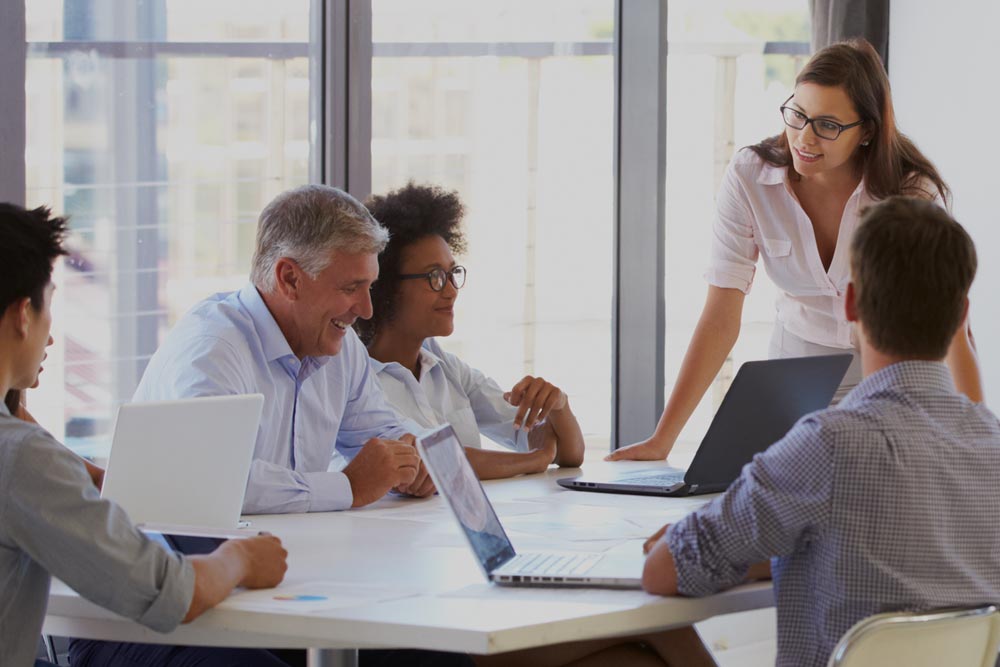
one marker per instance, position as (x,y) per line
(318,412)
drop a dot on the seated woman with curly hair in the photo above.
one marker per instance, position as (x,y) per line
(414,301)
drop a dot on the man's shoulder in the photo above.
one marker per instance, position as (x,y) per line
(217,321)
(831,427)
(26,449)
(860,416)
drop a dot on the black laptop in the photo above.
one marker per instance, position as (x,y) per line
(764,401)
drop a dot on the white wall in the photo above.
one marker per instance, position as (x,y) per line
(943,65)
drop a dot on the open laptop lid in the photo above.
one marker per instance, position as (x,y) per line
(764,401)
(456,481)
(184,462)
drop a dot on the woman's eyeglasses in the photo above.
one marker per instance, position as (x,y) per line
(823,127)
(436,278)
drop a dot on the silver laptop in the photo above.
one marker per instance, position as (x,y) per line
(457,482)
(185,462)
(764,401)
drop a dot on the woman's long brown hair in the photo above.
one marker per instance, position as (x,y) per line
(890,164)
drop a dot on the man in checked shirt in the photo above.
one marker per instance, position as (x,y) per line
(888,501)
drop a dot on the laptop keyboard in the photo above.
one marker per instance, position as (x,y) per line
(536,564)
(657,478)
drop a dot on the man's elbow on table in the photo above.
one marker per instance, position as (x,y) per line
(659,575)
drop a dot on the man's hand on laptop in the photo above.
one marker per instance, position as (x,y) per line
(379,466)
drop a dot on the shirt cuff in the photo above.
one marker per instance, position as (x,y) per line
(700,572)
(172,604)
(328,491)
(720,278)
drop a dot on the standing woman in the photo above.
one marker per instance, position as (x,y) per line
(795,199)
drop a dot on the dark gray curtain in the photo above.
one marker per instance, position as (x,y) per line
(836,20)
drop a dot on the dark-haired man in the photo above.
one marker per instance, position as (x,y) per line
(52,520)
(886,502)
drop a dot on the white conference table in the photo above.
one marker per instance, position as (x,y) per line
(398,574)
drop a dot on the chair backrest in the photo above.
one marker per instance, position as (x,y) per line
(966,637)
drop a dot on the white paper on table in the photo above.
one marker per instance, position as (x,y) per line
(311,597)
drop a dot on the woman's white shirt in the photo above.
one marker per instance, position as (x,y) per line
(758,214)
(449,390)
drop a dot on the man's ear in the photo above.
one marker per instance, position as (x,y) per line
(288,278)
(851,303)
(22,311)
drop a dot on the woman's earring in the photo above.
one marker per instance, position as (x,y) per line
(864,143)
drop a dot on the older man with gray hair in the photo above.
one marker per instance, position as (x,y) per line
(327,439)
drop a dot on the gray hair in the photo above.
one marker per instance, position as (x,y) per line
(307,224)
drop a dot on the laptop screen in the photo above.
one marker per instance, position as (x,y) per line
(456,481)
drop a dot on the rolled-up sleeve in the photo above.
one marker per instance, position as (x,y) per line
(53,513)
(734,252)
(781,498)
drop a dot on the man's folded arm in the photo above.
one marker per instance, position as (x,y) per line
(275,489)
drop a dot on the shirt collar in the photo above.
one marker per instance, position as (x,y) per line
(772,175)
(272,340)
(906,377)
(428,360)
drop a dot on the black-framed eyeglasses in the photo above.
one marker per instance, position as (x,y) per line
(823,127)
(436,278)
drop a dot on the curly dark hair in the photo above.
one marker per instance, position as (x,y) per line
(411,213)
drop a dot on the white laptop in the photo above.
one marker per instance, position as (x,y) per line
(183,463)
(457,482)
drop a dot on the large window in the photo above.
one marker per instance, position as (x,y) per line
(730,64)
(512,104)
(162,127)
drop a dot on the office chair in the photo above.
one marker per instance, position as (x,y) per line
(966,637)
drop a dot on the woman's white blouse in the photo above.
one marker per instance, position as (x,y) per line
(759,215)
(449,390)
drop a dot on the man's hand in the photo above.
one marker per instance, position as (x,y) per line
(421,486)
(254,562)
(535,399)
(653,539)
(379,466)
(265,560)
